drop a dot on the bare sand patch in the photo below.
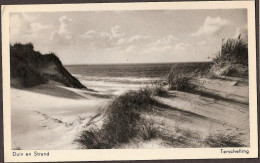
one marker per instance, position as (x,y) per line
(50,116)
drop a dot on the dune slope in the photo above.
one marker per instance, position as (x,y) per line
(30,68)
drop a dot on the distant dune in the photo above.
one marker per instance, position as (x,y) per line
(30,68)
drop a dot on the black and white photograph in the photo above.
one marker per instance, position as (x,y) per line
(164,78)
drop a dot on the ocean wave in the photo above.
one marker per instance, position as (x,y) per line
(123,80)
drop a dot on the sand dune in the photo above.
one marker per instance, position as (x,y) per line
(51,116)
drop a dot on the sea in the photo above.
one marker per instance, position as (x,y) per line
(122,77)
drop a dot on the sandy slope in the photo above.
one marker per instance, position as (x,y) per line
(190,118)
(51,116)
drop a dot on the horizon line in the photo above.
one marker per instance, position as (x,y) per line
(134,63)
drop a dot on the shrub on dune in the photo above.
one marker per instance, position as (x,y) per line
(180,79)
(159,90)
(232,50)
(231,59)
(181,82)
(122,123)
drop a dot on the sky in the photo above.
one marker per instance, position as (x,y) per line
(150,36)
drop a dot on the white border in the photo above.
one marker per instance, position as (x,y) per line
(130,154)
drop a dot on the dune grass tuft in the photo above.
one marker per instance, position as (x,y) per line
(231,59)
(183,78)
(232,50)
(159,90)
(223,140)
(148,130)
(123,122)
(181,83)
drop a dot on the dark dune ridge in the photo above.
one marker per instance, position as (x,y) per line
(30,68)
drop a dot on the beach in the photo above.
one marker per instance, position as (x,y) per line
(52,116)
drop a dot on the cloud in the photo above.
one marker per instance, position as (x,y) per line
(161,45)
(28,18)
(23,28)
(137,38)
(211,26)
(19,26)
(114,40)
(15,25)
(116,32)
(37,27)
(168,40)
(63,34)
(180,46)
(89,34)
(101,40)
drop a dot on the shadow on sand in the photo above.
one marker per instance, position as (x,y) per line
(56,91)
